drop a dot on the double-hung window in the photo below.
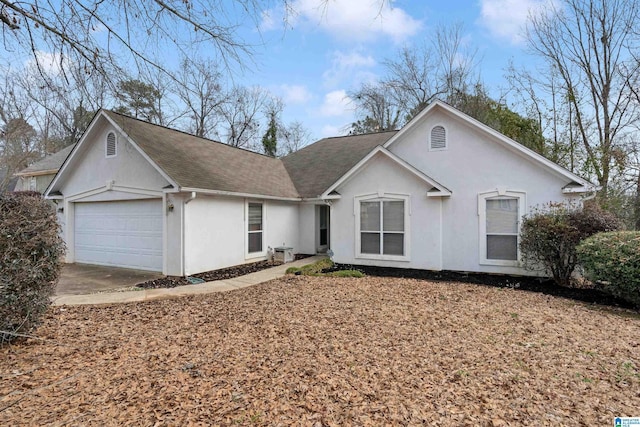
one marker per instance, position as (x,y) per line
(382,228)
(500,227)
(255,228)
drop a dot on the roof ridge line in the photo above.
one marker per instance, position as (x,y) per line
(188,134)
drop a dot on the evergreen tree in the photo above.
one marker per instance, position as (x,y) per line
(270,138)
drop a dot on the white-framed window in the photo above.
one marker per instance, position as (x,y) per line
(33,183)
(500,214)
(438,138)
(111,145)
(382,227)
(255,228)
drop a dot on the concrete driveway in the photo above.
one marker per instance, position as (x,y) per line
(78,279)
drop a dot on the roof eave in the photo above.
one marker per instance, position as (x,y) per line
(236,194)
(36,173)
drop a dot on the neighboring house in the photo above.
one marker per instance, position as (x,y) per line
(444,193)
(39,175)
(12,184)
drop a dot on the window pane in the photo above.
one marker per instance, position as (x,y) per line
(255,242)
(255,216)
(502,216)
(370,216)
(370,243)
(324,214)
(393,216)
(393,244)
(502,247)
(324,237)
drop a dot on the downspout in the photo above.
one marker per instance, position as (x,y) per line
(193,196)
(184,231)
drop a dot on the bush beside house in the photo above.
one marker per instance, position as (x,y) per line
(613,261)
(550,234)
(30,251)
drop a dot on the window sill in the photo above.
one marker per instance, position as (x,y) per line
(502,263)
(254,255)
(402,258)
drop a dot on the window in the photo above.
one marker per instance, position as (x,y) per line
(502,229)
(438,140)
(382,228)
(323,213)
(500,226)
(255,229)
(111,144)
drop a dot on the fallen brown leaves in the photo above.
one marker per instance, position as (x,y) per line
(327,351)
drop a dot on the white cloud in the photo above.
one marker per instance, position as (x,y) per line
(336,104)
(358,20)
(49,63)
(268,22)
(348,66)
(506,19)
(295,94)
(332,130)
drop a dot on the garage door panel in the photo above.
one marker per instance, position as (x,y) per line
(124,234)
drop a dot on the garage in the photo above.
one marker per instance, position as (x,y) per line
(121,234)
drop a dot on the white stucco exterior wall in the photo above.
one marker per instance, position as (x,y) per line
(474,162)
(215,231)
(307,228)
(383,176)
(281,224)
(91,169)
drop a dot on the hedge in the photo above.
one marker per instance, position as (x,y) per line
(30,251)
(612,260)
(549,236)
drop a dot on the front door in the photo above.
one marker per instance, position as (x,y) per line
(322,215)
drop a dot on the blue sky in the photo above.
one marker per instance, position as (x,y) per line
(324,53)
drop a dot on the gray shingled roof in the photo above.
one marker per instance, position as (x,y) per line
(194,162)
(316,167)
(52,162)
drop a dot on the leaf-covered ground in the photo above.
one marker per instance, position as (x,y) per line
(327,351)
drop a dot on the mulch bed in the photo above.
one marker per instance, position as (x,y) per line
(210,276)
(323,351)
(588,294)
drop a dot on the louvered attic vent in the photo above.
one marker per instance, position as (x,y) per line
(438,138)
(111,144)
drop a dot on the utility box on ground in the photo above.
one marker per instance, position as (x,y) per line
(283,254)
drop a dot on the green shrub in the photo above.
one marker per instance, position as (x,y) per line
(347,273)
(30,250)
(613,261)
(292,270)
(317,267)
(549,236)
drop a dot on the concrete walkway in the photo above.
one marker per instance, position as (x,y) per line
(203,288)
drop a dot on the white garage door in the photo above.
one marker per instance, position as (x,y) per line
(121,234)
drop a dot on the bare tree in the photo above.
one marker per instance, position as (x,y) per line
(442,67)
(65,104)
(293,137)
(198,87)
(241,115)
(593,46)
(379,108)
(99,32)
(439,68)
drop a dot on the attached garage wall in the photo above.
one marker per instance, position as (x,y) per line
(119,233)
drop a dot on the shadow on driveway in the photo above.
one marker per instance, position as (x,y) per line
(78,279)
